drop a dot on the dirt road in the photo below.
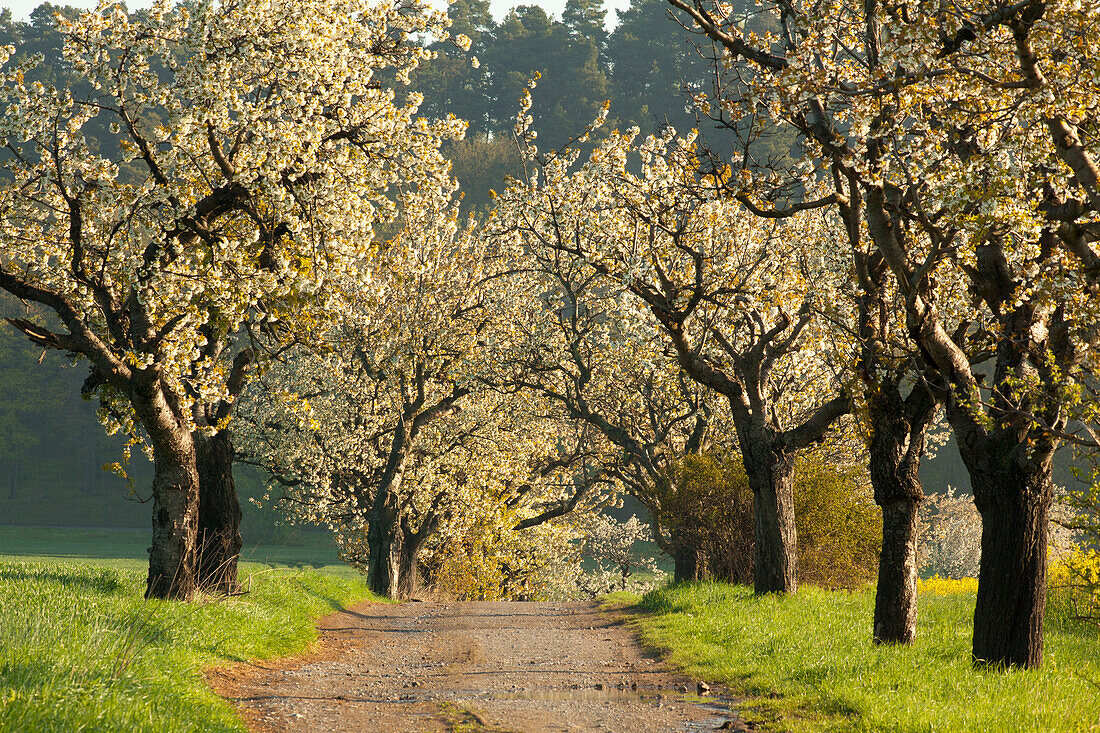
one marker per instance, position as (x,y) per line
(514,667)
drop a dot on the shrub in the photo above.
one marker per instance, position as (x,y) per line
(488,561)
(838,524)
(710,509)
(1075,575)
(484,559)
(1073,582)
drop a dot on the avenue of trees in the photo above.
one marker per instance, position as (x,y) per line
(957,145)
(830,225)
(199,236)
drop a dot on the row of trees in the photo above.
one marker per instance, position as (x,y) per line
(243,174)
(956,147)
(271,207)
(481,161)
(215,193)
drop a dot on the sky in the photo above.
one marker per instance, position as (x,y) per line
(21,9)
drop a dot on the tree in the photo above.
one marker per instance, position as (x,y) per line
(251,155)
(581,349)
(453,81)
(399,430)
(733,300)
(898,399)
(837,523)
(654,69)
(527,44)
(398,367)
(481,165)
(585,21)
(963,131)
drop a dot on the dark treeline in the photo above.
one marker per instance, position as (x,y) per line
(643,67)
(647,67)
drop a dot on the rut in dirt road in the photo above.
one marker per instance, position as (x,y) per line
(516,667)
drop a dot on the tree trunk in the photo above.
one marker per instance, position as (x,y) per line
(392,571)
(385,540)
(770,471)
(219,527)
(896,446)
(385,533)
(690,562)
(408,575)
(896,591)
(172,557)
(1014,500)
(408,579)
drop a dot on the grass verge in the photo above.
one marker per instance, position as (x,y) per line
(80,650)
(810,664)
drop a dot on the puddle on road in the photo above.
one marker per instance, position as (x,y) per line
(589,694)
(719,709)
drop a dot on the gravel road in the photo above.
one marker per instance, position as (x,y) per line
(515,667)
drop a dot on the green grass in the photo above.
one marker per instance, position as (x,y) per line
(80,650)
(813,650)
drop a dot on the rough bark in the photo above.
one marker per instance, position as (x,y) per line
(219,524)
(690,562)
(1014,498)
(394,552)
(896,592)
(172,556)
(1010,459)
(1007,457)
(385,540)
(175,518)
(896,447)
(408,575)
(770,470)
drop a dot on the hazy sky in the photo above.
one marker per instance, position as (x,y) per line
(21,9)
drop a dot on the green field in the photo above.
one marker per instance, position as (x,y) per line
(125,548)
(809,660)
(81,650)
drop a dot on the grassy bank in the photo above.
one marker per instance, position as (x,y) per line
(81,650)
(814,651)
